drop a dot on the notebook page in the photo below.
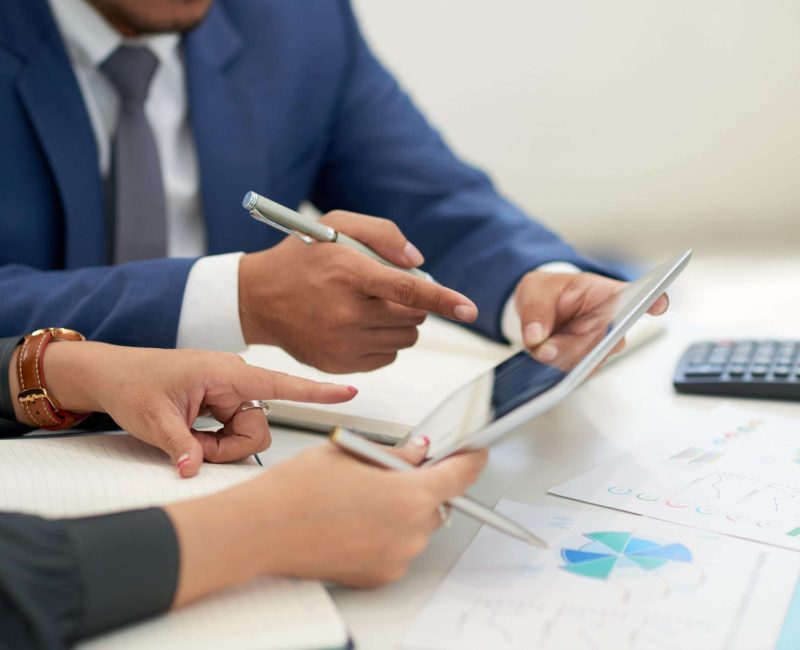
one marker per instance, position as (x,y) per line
(392,399)
(265,614)
(84,475)
(72,476)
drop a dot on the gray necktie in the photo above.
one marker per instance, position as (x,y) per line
(137,191)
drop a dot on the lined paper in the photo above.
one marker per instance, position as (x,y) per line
(73,476)
(267,613)
(83,475)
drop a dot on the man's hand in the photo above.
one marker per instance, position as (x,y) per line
(335,308)
(563,314)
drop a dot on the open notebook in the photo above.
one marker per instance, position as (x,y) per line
(83,475)
(394,399)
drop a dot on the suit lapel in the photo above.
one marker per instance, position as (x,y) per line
(229,128)
(51,96)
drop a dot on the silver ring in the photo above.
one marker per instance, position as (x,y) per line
(444,515)
(253,404)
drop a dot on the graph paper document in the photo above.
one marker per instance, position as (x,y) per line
(609,580)
(733,471)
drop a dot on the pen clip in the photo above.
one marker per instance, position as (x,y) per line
(279,226)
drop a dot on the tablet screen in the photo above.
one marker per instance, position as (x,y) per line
(582,344)
(510,384)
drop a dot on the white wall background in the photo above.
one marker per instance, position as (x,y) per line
(628,125)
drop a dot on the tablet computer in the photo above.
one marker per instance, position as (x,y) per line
(521,388)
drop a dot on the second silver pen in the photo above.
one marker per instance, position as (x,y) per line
(362,448)
(309,230)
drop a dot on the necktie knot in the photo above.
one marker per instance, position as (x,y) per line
(130,69)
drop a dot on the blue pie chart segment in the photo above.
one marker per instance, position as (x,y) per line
(636,545)
(606,551)
(576,557)
(598,569)
(668,553)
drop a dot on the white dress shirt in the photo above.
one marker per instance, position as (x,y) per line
(209,317)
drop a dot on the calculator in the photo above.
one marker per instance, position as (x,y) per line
(741,368)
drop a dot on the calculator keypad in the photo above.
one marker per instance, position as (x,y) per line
(744,368)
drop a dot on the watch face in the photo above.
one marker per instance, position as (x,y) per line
(60,333)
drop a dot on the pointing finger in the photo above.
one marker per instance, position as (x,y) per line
(404,289)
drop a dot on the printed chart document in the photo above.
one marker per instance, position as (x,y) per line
(733,471)
(86,475)
(609,580)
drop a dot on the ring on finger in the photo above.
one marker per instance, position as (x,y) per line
(253,404)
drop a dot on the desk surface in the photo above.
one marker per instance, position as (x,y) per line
(608,416)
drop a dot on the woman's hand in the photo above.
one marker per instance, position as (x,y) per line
(156,395)
(321,515)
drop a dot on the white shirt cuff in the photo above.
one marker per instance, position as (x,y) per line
(209,317)
(510,324)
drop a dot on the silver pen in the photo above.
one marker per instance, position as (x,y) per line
(308,230)
(366,450)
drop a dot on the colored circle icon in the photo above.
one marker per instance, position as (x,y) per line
(676,504)
(643,496)
(620,491)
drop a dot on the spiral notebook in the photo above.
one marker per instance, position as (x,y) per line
(84,475)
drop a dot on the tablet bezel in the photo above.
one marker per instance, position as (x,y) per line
(638,306)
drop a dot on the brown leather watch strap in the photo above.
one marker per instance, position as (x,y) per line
(42,407)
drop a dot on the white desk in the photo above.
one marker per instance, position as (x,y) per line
(606,417)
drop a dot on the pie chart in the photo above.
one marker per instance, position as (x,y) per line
(605,552)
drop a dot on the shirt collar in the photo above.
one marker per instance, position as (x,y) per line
(91,39)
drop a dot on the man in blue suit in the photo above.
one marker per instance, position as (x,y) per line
(279,96)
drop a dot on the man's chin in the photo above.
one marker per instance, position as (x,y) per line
(138,17)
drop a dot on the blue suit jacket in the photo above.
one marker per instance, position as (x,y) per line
(286,99)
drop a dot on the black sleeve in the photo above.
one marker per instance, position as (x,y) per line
(64,580)
(8,425)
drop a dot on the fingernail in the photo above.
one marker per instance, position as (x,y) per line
(533,334)
(421,441)
(546,352)
(466,313)
(412,254)
(183,459)
(352,389)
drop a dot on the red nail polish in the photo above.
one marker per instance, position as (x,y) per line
(352,389)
